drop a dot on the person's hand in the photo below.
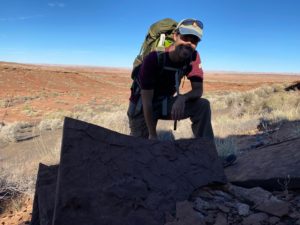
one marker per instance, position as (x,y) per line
(177,111)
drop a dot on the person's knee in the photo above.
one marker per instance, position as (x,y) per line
(203,104)
(198,109)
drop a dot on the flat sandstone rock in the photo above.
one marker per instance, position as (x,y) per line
(273,167)
(113,179)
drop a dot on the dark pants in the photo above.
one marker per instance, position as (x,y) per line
(197,110)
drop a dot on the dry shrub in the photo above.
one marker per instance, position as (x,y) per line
(10,132)
(283,101)
(226,146)
(264,91)
(4,103)
(296,129)
(257,102)
(18,174)
(50,124)
(225,125)
(11,193)
(241,113)
(116,121)
(108,117)
(59,114)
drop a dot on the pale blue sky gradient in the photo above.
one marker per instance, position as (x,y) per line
(239,35)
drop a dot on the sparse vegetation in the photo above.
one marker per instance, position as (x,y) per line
(234,114)
(284,184)
(296,129)
(11,131)
(237,112)
(226,146)
(30,111)
(14,100)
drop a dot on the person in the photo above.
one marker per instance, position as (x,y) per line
(159,97)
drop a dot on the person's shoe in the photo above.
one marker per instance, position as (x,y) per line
(229,160)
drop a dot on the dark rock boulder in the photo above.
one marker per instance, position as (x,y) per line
(44,198)
(109,178)
(273,167)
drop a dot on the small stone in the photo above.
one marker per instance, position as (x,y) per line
(280,223)
(223,208)
(203,193)
(274,206)
(274,220)
(187,215)
(254,195)
(255,219)
(295,215)
(230,204)
(211,217)
(201,205)
(169,217)
(243,209)
(223,194)
(221,219)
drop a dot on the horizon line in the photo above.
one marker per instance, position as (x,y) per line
(128,68)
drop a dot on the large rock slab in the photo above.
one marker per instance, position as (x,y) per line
(44,198)
(273,167)
(109,178)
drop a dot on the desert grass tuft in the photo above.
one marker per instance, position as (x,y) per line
(226,146)
(10,131)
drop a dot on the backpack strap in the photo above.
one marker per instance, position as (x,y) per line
(161,58)
(161,42)
(179,72)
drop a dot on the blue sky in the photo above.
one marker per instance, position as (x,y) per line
(239,35)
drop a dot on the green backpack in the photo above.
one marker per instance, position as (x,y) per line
(158,37)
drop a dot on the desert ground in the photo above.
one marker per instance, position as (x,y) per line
(35,98)
(30,92)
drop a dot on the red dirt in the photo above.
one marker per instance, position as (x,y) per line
(28,92)
(20,216)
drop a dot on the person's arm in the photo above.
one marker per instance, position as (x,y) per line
(147,97)
(177,112)
(196,92)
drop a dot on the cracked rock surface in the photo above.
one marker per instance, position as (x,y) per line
(108,178)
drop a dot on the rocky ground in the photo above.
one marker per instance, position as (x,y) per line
(231,204)
(218,205)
